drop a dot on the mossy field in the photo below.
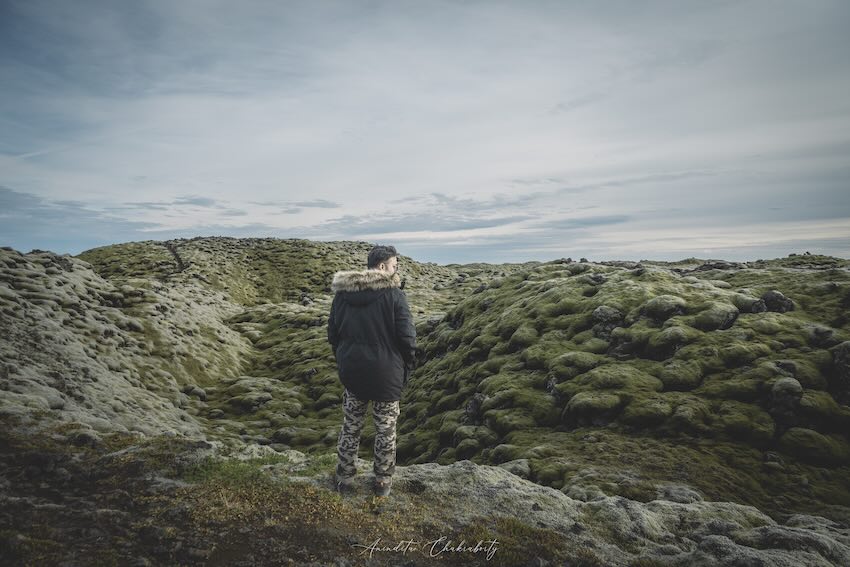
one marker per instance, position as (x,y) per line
(700,380)
(731,377)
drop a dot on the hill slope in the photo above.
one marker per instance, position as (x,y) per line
(599,381)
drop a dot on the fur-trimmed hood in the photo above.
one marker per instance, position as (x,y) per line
(359,280)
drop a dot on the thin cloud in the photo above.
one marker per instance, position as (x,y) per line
(297,206)
(191,201)
(318,203)
(350,226)
(29,222)
(140,205)
(195,201)
(581,222)
(575,103)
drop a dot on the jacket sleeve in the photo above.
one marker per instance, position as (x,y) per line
(333,332)
(405,331)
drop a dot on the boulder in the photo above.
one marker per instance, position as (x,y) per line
(776,301)
(662,307)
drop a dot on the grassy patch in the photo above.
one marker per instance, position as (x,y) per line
(518,543)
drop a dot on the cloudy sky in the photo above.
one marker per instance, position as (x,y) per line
(457,131)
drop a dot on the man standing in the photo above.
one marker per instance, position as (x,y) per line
(374,342)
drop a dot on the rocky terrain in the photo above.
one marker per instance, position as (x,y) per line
(177,403)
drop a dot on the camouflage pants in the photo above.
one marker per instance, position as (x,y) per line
(385,415)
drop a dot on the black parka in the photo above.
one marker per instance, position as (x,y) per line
(372,334)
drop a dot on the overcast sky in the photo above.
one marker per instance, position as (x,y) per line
(457,131)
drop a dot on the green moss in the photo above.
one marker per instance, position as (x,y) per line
(505,452)
(706,355)
(467,448)
(572,363)
(521,394)
(595,345)
(820,410)
(503,421)
(523,337)
(543,353)
(323,463)
(481,345)
(691,415)
(592,408)
(681,375)
(738,354)
(564,306)
(663,307)
(715,315)
(806,372)
(232,471)
(550,471)
(301,437)
(623,377)
(536,356)
(766,323)
(813,447)
(647,412)
(517,541)
(494,364)
(491,385)
(668,340)
(748,422)
(690,370)
(732,387)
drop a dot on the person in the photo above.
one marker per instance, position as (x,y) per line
(371,332)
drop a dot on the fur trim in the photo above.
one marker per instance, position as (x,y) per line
(358,280)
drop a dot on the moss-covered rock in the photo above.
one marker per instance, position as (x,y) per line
(550,471)
(748,303)
(745,421)
(841,380)
(668,340)
(505,420)
(570,364)
(819,410)
(647,412)
(681,375)
(543,353)
(785,397)
(481,345)
(592,408)
(467,448)
(297,436)
(716,316)
(732,386)
(524,336)
(735,354)
(605,318)
(505,452)
(806,373)
(775,300)
(249,403)
(662,307)
(811,446)
(616,376)
(691,415)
